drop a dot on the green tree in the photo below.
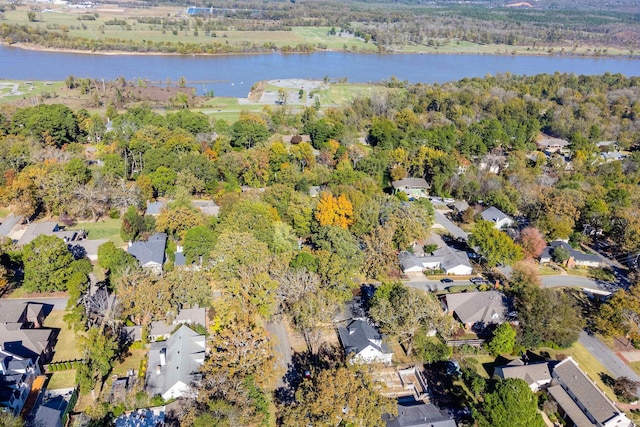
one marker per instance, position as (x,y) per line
(115,259)
(199,241)
(511,404)
(53,124)
(99,353)
(133,224)
(48,264)
(495,246)
(560,254)
(503,340)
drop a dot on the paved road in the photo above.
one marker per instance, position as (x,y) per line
(57,303)
(278,332)
(607,357)
(546,281)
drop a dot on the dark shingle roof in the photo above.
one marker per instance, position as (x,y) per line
(420,415)
(151,250)
(578,384)
(360,334)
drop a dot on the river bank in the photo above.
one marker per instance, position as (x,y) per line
(585,52)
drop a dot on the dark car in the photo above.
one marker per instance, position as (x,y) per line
(446,280)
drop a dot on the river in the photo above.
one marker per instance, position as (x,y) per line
(236,73)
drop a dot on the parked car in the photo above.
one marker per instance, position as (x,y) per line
(446,280)
(478,280)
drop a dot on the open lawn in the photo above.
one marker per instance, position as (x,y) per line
(482,363)
(320,35)
(62,379)
(108,228)
(66,348)
(132,361)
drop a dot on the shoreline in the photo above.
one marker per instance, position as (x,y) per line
(39,48)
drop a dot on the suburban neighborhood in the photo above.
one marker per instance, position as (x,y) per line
(427,255)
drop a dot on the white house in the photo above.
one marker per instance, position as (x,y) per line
(496,216)
(536,375)
(17,374)
(150,254)
(361,340)
(450,260)
(174,364)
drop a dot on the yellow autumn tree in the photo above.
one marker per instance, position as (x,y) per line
(336,211)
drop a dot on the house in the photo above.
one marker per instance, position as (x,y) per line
(161,329)
(48,228)
(364,342)
(54,409)
(477,308)
(86,248)
(576,258)
(21,332)
(450,260)
(154,208)
(536,375)
(412,187)
(174,363)
(497,217)
(612,156)
(580,402)
(419,414)
(150,254)
(207,207)
(17,374)
(445,223)
(549,144)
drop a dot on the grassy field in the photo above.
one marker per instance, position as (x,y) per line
(15,90)
(66,348)
(108,228)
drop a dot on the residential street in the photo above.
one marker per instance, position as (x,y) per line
(547,282)
(278,332)
(607,357)
(56,302)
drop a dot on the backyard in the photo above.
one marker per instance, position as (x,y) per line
(108,228)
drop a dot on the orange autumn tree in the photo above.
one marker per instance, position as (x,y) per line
(336,211)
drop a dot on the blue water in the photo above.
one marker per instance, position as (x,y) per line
(236,73)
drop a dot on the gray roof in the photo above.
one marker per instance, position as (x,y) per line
(179,259)
(25,342)
(550,141)
(49,414)
(531,374)
(192,315)
(453,229)
(8,223)
(410,183)
(460,205)
(494,214)
(447,256)
(133,333)
(472,307)
(154,208)
(11,313)
(577,255)
(576,382)
(207,207)
(420,415)
(151,250)
(48,228)
(185,351)
(569,407)
(360,334)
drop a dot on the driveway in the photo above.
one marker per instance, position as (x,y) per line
(607,357)
(278,332)
(577,282)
